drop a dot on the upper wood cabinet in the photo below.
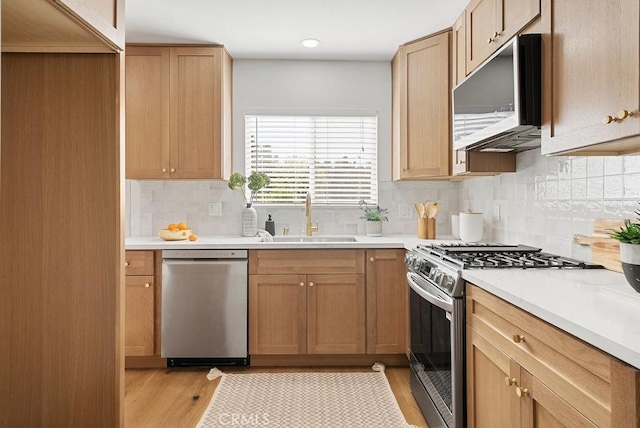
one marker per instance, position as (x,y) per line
(421,109)
(386,301)
(591,87)
(62,25)
(491,23)
(178,115)
(459,50)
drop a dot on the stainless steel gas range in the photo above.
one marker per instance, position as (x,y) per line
(437,317)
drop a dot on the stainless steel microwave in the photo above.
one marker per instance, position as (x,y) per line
(498,107)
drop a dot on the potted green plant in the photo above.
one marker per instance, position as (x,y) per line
(255,182)
(374,218)
(629,237)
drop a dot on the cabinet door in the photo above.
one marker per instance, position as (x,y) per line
(336,314)
(147,112)
(139,317)
(586,81)
(424,112)
(481,20)
(386,302)
(104,16)
(195,97)
(541,407)
(513,16)
(491,401)
(459,50)
(277,314)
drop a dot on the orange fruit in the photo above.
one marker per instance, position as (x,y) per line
(193,237)
(174,228)
(182,226)
(171,226)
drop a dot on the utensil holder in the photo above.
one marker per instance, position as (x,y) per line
(426,228)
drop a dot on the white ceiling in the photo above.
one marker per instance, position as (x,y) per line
(349,29)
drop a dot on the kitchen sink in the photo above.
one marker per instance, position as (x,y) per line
(314,239)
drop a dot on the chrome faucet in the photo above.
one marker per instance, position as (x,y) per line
(310,229)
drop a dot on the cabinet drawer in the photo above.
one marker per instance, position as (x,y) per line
(138,263)
(306,261)
(576,371)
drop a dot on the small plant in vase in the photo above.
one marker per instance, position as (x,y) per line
(629,237)
(255,182)
(374,216)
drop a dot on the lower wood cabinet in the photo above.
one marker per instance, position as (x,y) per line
(327,302)
(141,302)
(386,301)
(522,371)
(306,314)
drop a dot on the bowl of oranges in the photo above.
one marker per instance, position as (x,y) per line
(177,232)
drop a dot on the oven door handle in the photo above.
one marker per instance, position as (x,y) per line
(428,292)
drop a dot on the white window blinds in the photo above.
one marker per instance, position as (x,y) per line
(332,157)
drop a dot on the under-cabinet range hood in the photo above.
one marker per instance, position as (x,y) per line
(498,107)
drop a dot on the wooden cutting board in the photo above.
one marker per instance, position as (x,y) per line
(605,251)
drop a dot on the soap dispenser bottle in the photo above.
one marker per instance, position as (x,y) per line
(270,226)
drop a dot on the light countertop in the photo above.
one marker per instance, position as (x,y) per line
(595,305)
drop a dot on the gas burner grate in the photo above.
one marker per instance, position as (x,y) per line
(492,256)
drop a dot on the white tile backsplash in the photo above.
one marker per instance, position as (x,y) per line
(543,204)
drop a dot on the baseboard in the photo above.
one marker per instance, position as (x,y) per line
(154,362)
(328,360)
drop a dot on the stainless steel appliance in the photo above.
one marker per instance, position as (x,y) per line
(498,107)
(437,317)
(204,307)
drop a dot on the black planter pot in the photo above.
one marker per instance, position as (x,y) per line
(630,258)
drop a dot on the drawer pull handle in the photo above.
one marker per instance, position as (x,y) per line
(518,338)
(311,284)
(510,381)
(623,114)
(302,284)
(147,285)
(126,264)
(522,391)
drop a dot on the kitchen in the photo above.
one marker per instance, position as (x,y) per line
(543,204)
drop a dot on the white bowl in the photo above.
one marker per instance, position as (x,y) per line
(174,235)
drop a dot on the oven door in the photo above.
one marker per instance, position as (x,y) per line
(437,352)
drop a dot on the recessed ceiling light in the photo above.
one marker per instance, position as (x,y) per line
(310,43)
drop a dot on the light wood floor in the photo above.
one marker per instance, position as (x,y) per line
(166,397)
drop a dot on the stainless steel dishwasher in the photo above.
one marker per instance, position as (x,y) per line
(204,307)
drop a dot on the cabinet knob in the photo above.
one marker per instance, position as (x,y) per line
(510,381)
(496,34)
(371,259)
(489,40)
(147,285)
(173,170)
(302,284)
(518,338)
(609,119)
(126,264)
(164,169)
(623,114)
(311,284)
(522,391)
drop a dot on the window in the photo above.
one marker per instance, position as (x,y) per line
(332,157)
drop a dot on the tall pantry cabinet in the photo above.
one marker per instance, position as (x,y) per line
(61,205)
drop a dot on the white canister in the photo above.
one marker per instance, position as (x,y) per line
(455,226)
(471,227)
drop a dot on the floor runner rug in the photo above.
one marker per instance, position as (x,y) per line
(304,400)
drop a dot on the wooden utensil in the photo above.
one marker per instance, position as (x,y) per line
(433,209)
(605,251)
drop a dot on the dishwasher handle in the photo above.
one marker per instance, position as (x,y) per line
(197,254)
